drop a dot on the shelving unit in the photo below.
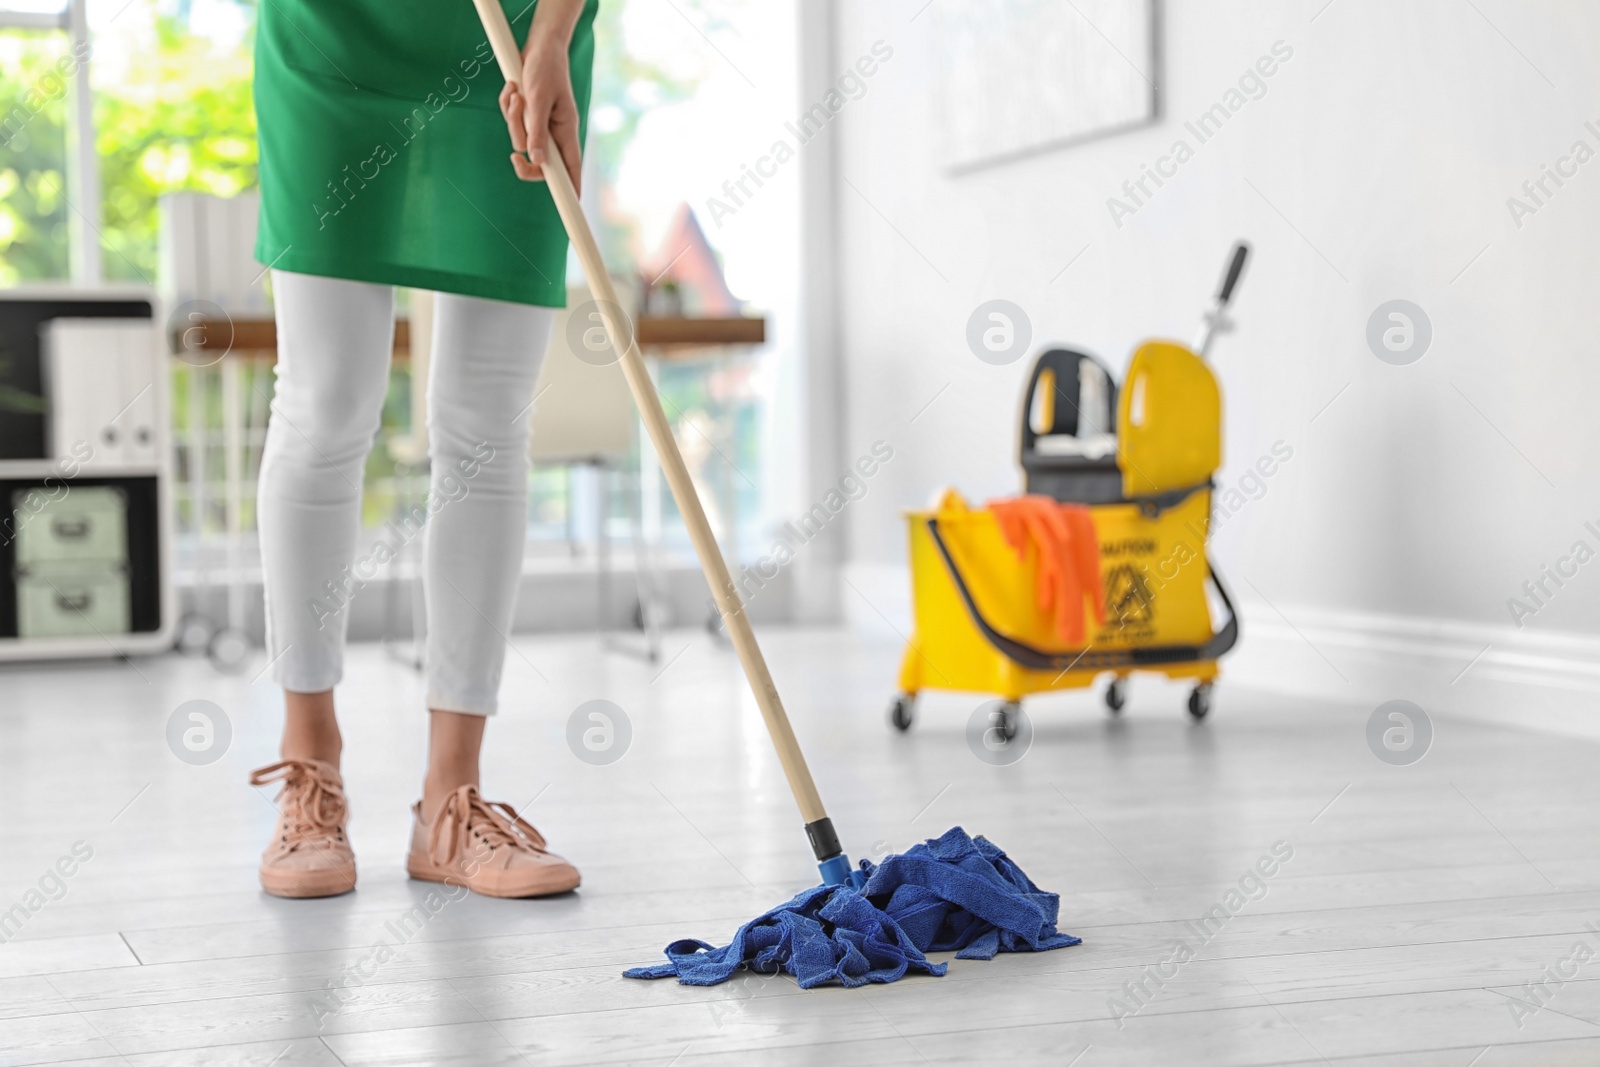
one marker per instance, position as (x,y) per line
(109,433)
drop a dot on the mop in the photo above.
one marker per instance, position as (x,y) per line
(874,923)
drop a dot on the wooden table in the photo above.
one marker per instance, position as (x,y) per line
(667,336)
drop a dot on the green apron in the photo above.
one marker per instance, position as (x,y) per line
(384,157)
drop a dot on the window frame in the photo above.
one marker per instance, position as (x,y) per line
(83,165)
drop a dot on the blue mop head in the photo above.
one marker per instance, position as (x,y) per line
(952,893)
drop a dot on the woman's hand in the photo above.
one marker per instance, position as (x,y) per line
(543,107)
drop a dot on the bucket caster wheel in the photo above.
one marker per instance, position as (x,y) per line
(1116,695)
(1007,719)
(1200,701)
(903,711)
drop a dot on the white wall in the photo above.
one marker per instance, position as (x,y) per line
(1376,166)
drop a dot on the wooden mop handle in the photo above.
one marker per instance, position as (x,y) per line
(677,474)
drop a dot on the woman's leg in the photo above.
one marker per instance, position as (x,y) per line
(334,340)
(486,360)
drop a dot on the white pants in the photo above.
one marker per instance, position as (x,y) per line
(334,340)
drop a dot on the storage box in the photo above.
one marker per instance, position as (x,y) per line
(82,525)
(74,600)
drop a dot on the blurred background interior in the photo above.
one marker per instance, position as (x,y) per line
(824,308)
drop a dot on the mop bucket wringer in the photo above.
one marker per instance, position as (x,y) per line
(1146,482)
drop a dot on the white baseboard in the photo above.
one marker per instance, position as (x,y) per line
(1528,679)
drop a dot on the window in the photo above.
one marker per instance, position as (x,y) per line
(81,172)
(38,68)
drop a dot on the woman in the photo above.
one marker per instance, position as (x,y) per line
(382,127)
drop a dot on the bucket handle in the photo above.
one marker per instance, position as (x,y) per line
(1038,659)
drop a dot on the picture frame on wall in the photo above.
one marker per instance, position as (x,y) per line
(1021,77)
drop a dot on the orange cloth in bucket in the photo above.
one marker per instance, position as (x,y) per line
(1069,557)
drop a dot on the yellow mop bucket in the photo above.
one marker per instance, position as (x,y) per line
(978,625)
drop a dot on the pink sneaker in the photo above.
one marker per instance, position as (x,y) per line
(309,855)
(486,847)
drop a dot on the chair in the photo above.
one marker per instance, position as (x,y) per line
(583,416)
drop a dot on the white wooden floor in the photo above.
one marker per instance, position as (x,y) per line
(1416,904)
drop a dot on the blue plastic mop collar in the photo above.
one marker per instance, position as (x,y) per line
(836,870)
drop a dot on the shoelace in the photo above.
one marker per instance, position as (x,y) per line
(496,824)
(311,802)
